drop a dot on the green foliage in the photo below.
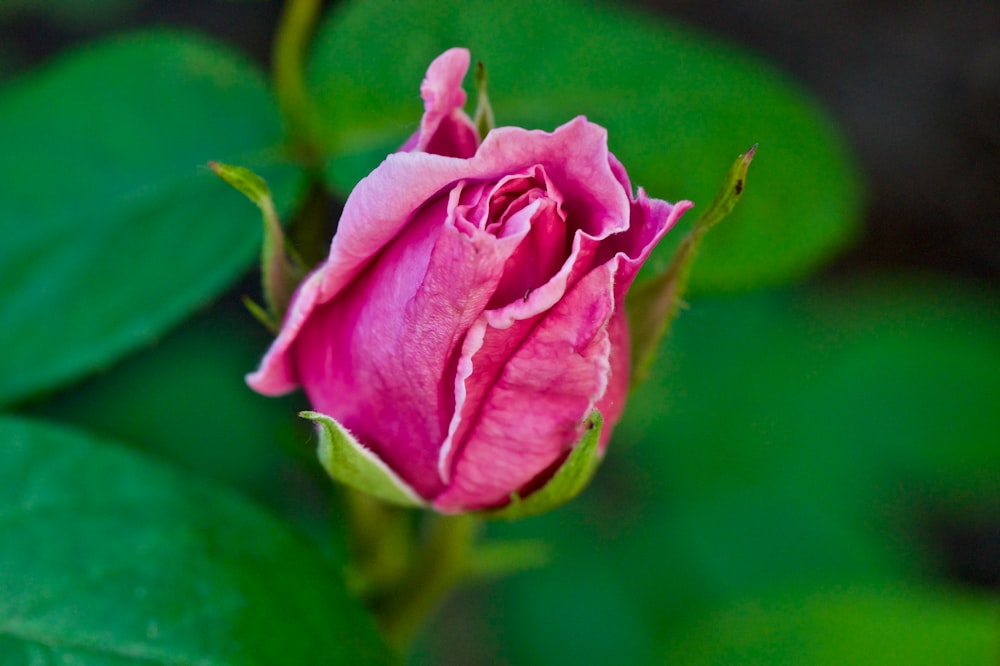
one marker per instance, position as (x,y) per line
(766,497)
(678,106)
(108,558)
(196,411)
(113,229)
(787,444)
(847,626)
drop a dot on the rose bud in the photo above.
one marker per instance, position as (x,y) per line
(469,318)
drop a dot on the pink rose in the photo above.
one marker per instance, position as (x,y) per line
(469,317)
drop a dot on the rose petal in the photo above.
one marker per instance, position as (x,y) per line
(651,219)
(612,404)
(382,204)
(371,219)
(380,357)
(575,157)
(276,375)
(445,129)
(537,408)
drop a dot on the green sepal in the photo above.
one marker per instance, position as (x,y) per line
(348,461)
(653,305)
(281,269)
(484,119)
(262,315)
(568,481)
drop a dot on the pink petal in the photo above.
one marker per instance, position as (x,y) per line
(537,408)
(275,375)
(575,156)
(445,129)
(382,204)
(380,357)
(496,336)
(376,211)
(651,220)
(612,404)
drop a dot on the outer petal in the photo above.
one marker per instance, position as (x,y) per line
(612,404)
(496,337)
(380,357)
(382,204)
(445,129)
(537,408)
(379,207)
(275,375)
(651,219)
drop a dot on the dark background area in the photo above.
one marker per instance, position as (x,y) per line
(914,85)
(916,88)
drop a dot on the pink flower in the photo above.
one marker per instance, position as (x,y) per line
(469,318)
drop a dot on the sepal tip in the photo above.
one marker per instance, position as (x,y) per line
(350,462)
(568,481)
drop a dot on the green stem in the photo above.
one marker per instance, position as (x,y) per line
(288,56)
(442,561)
(381,541)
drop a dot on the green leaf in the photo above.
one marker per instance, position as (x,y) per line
(112,228)
(348,461)
(109,558)
(847,626)
(831,388)
(568,481)
(791,439)
(803,435)
(185,400)
(677,104)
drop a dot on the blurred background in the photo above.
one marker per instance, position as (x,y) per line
(811,475)
(915,86)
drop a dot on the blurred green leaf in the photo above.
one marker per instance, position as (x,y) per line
(795,439)
(112,228)
(829,389)
(185,400)
(847,626)
(800,436)
(107,557)
(679,107)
